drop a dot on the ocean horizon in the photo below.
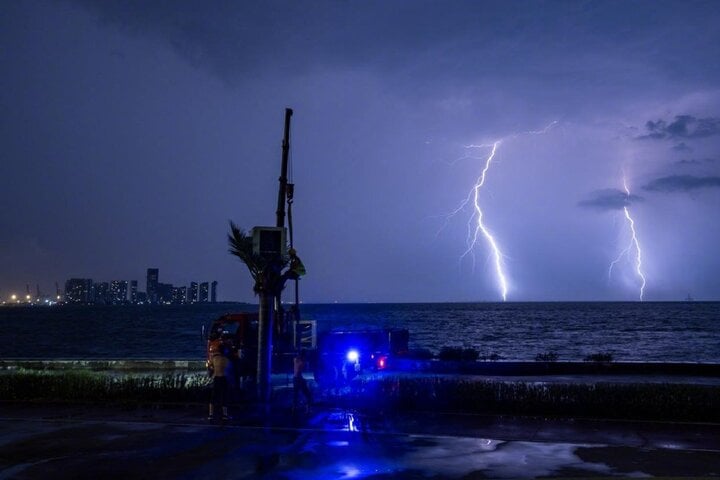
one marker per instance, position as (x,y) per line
(630,331)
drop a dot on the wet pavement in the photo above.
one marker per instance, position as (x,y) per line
(76,441)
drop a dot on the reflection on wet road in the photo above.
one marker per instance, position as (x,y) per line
(333,443)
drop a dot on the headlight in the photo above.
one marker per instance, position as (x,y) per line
(352,356)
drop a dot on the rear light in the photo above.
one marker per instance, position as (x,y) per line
(381,363)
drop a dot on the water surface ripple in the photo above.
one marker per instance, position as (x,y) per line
(680,332)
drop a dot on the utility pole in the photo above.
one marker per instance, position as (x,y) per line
(272,283)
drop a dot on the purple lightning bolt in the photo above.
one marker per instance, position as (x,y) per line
(634,245)
(476,226)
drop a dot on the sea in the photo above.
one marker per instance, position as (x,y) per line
(657,332)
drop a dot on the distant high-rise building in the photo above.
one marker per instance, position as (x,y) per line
(193,293)
(133,292)
(203,298)
(118,292)
(141,297)
(151,286)
(179,295)
(164,293)
(79,290)
(213,291)
(101,293)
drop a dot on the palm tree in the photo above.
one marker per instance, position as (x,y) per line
(241,245)
(265,272)
(269,283)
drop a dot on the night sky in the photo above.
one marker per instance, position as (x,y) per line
(132,132)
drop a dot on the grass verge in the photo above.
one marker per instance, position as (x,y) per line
(641,401)
(89,386)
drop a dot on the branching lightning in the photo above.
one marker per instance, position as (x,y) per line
(633,245)
(476,226)
(480,226)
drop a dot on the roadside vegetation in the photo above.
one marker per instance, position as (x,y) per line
(632,401)
(599,357)
(88,386)
(550,356)
(642,401)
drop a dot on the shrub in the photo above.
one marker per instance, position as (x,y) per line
(547,357)
(470,354)
(450,353)
(599,357)
(458,354)
(493,357)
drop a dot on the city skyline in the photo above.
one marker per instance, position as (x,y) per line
(86,291)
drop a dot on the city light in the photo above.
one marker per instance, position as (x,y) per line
(13,297)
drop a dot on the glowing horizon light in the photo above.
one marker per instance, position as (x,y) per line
(634,242)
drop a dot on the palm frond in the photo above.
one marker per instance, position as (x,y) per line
(267,275)
(241,246)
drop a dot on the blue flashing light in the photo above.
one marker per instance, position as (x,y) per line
(352,356)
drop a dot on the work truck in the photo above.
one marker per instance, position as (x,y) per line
(334,356)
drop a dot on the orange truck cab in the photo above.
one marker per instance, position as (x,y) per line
(235,331)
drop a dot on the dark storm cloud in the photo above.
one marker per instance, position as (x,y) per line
(684,126)
(694,161)
(682,147)
(686,162)
(234,38)
(682,183)
(525,40)
(609,199)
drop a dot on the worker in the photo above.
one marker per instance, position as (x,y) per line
(219,364)
(299,383)
(296,269)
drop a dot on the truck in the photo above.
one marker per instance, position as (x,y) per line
(334,357)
